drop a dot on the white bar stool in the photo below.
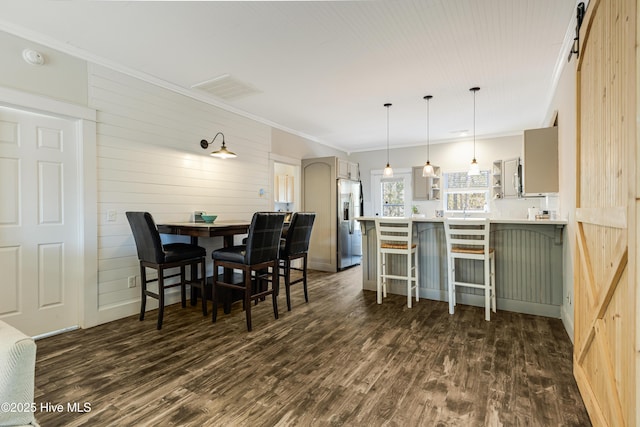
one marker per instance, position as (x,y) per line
(395,236)
(469,239)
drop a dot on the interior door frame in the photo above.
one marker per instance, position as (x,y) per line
(86,188)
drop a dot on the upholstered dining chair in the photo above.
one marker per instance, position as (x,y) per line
(258,261)
(295,246)
(153,254)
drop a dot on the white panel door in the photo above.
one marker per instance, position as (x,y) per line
(39,236)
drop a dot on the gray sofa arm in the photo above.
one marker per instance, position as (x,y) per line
(17,377)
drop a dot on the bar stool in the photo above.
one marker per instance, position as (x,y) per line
(469,239)
(395,237)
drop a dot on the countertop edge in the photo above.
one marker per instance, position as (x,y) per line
(493,221)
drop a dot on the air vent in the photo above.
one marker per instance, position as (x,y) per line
(226,87)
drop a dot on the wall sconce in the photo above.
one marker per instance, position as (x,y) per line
(222,153)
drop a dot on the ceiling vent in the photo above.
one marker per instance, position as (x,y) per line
(226,87)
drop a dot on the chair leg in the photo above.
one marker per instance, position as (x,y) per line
(143,284)
(416,274)
(304,277)
(493,283)
(160,297)
(487,290)
(409,281)
(247,298)
(379,278)
(193,290)
(214,294)
(183,286)
(203,281)
(275,281)
(451,279)
(287,282)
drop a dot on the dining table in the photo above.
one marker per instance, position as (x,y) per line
(225,229)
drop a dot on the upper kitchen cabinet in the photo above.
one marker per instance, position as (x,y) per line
(425,188)
(284,189)
(540,161)
(348,170)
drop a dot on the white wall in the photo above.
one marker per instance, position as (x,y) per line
(564,102)
(294,146)
(62,77)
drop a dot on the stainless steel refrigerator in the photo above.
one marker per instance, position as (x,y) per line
(349,234)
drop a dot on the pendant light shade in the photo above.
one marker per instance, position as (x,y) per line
(222,153)
(427,170)
(388,172)
(474,170)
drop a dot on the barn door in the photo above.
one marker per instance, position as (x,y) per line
(605,361)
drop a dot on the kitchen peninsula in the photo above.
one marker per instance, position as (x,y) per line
(529,265)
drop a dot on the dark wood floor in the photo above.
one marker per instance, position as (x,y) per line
(341,359)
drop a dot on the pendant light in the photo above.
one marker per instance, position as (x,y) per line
(474,170)
(388,172)
(428,171)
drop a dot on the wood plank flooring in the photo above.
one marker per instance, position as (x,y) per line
(339,360)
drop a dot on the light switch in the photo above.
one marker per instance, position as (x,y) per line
(112,216)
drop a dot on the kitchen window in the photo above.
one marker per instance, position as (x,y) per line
(390,196)
(465,193)
(393,199)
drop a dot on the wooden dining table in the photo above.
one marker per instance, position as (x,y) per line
(225,229)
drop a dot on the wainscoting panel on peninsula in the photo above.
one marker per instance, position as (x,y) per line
(528,265)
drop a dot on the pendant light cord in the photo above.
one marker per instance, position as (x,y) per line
(474,124)
(387,105)
(428,98)
(474,90)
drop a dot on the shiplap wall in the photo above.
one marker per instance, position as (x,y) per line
(149,158)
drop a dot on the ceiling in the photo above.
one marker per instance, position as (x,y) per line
(323,70)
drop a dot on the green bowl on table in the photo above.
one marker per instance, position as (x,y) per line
(209,218)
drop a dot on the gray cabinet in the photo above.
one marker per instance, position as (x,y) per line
(348,170)
(284,189)
(540,161)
